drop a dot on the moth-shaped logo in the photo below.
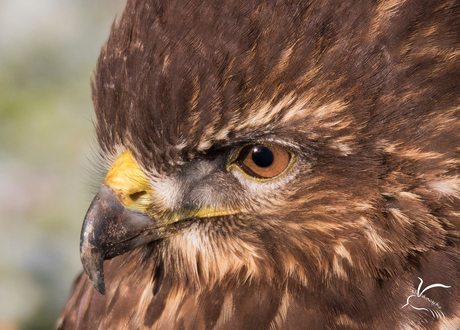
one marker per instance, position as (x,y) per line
(420,302)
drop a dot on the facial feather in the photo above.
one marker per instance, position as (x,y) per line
(363,93)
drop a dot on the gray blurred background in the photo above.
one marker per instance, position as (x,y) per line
(48,50)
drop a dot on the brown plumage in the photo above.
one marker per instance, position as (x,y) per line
(363,100)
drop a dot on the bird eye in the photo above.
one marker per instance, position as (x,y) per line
(263,161)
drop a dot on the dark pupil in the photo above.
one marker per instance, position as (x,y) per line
(262,156)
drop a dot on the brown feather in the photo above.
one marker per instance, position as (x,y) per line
(366,93)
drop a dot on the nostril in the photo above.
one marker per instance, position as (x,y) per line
(135,196)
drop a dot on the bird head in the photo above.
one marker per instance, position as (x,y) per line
(264,142)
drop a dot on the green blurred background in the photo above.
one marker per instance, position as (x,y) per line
(48,50)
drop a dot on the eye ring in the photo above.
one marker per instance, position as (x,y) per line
(262,161)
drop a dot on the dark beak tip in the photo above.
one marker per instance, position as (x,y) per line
(93,266)
(96,277)
(99,285)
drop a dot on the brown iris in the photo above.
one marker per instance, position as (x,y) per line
(263,161)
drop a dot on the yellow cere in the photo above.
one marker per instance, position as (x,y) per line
(131,186)
(129,182)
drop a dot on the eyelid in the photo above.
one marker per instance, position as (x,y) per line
(234,162)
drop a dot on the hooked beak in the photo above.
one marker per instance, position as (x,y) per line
(120,219)
(117,219)
(110,229)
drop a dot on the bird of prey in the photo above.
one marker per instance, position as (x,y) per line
(275,164)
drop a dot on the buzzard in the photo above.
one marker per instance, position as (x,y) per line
(275,164)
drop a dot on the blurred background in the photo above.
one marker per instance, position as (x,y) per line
(48,50)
